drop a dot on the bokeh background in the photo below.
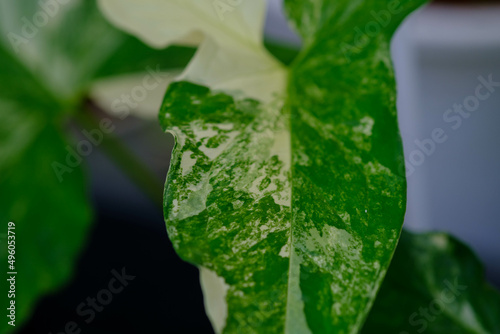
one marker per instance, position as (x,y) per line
(439,53)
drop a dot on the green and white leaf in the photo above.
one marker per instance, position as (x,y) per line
(436,285)
(284,186)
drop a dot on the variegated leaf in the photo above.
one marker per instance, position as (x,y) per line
(284,185)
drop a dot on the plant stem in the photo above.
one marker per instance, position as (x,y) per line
(138,172)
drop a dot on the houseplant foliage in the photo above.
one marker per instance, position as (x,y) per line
(284,186)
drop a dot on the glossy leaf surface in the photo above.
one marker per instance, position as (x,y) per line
(292,207)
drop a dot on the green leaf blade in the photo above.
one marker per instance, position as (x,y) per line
(216,221)
(211,187)
(297,208)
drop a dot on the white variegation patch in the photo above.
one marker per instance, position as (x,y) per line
(296,322)
(214,291)
(231,56)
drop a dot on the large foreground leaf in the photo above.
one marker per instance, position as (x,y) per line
(284,185)
(292,208)
(435,285)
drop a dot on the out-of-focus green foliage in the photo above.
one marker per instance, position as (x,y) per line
(49,57)
(434,285)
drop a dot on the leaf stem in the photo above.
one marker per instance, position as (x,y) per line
(137,171)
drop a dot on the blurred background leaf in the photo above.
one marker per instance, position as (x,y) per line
(435,285)
(50,55)
(51,217)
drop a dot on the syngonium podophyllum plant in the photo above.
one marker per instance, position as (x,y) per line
(285,186)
